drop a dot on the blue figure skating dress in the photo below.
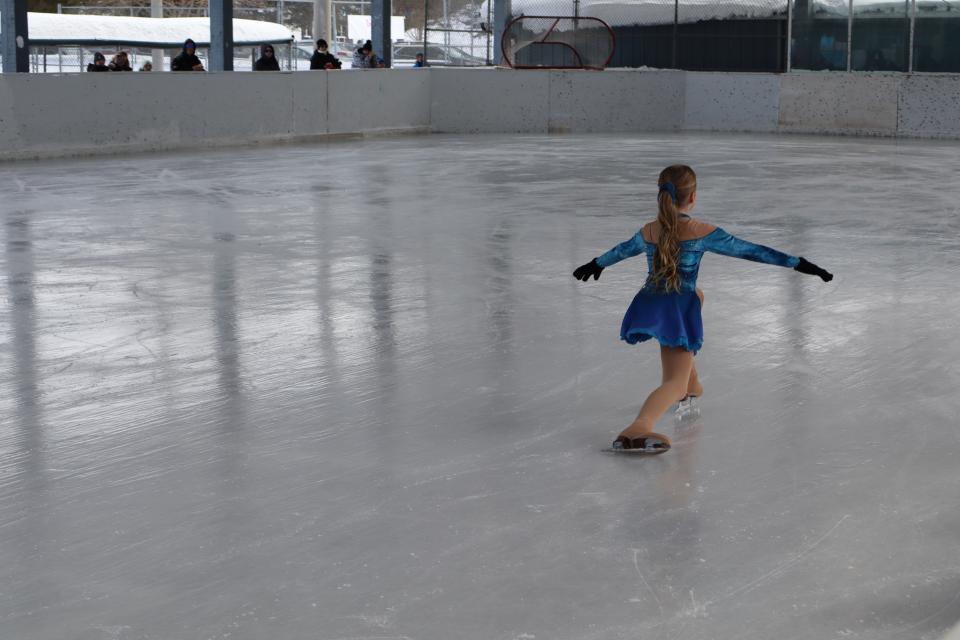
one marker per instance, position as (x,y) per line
(673,318)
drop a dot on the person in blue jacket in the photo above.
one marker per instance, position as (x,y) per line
(668,306)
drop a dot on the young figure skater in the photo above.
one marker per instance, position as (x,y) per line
(668,306)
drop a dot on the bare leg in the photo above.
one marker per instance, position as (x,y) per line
(694,388)
(677,367)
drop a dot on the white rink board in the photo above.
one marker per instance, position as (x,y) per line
(46,115)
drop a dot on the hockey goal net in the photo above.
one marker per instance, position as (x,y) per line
(551,42)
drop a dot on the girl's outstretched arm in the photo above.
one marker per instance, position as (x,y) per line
(719,241)
(627,249)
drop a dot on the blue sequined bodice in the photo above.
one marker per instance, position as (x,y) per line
(691,252)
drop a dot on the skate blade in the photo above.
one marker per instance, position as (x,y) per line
(616,447)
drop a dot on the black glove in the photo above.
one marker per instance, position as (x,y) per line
(587,270)
(813,270)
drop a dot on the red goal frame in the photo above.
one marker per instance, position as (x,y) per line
(546,41)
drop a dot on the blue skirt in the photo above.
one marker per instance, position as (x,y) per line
(672,319)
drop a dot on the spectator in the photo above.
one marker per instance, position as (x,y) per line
(363,58)
(323,59)
(419,63)
(120,62)
(187,60)
(99,63)
(147,66)
(267,60)
(379,62)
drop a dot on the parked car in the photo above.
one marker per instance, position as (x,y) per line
(438,55)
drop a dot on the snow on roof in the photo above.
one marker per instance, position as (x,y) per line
(52,29)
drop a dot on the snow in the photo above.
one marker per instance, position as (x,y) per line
(53,29)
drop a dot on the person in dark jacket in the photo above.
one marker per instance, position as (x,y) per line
(267,60)
(323,59)
(99,63)
(187,60)
(120,62)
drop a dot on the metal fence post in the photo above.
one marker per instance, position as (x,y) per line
(426,14)
(380,29)
(221,35)
(676,21)
(850,35)
(913,26)
(789,36)
(501,15)
(14,40)
(156,11)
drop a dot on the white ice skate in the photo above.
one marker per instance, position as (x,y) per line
(687,409)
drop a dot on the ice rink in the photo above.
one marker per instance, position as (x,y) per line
(352,391)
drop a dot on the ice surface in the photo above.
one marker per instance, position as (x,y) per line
(352,391)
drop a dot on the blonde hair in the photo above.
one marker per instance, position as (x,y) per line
(667,255)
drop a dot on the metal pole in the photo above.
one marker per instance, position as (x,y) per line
(789,35)
(426,11)
(501,16)
(317,27)
(329,23)
(913,25)
(380,29)
(156,11)
(850,35)
(221,35)
(489,26)
(676,22)
(446,34)
(14,40)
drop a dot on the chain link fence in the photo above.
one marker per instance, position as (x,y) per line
(715,35)
(774,35)
(457,33)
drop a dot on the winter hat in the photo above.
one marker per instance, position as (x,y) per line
(98,56)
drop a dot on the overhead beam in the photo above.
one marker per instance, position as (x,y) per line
(14,43)
(221,35)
